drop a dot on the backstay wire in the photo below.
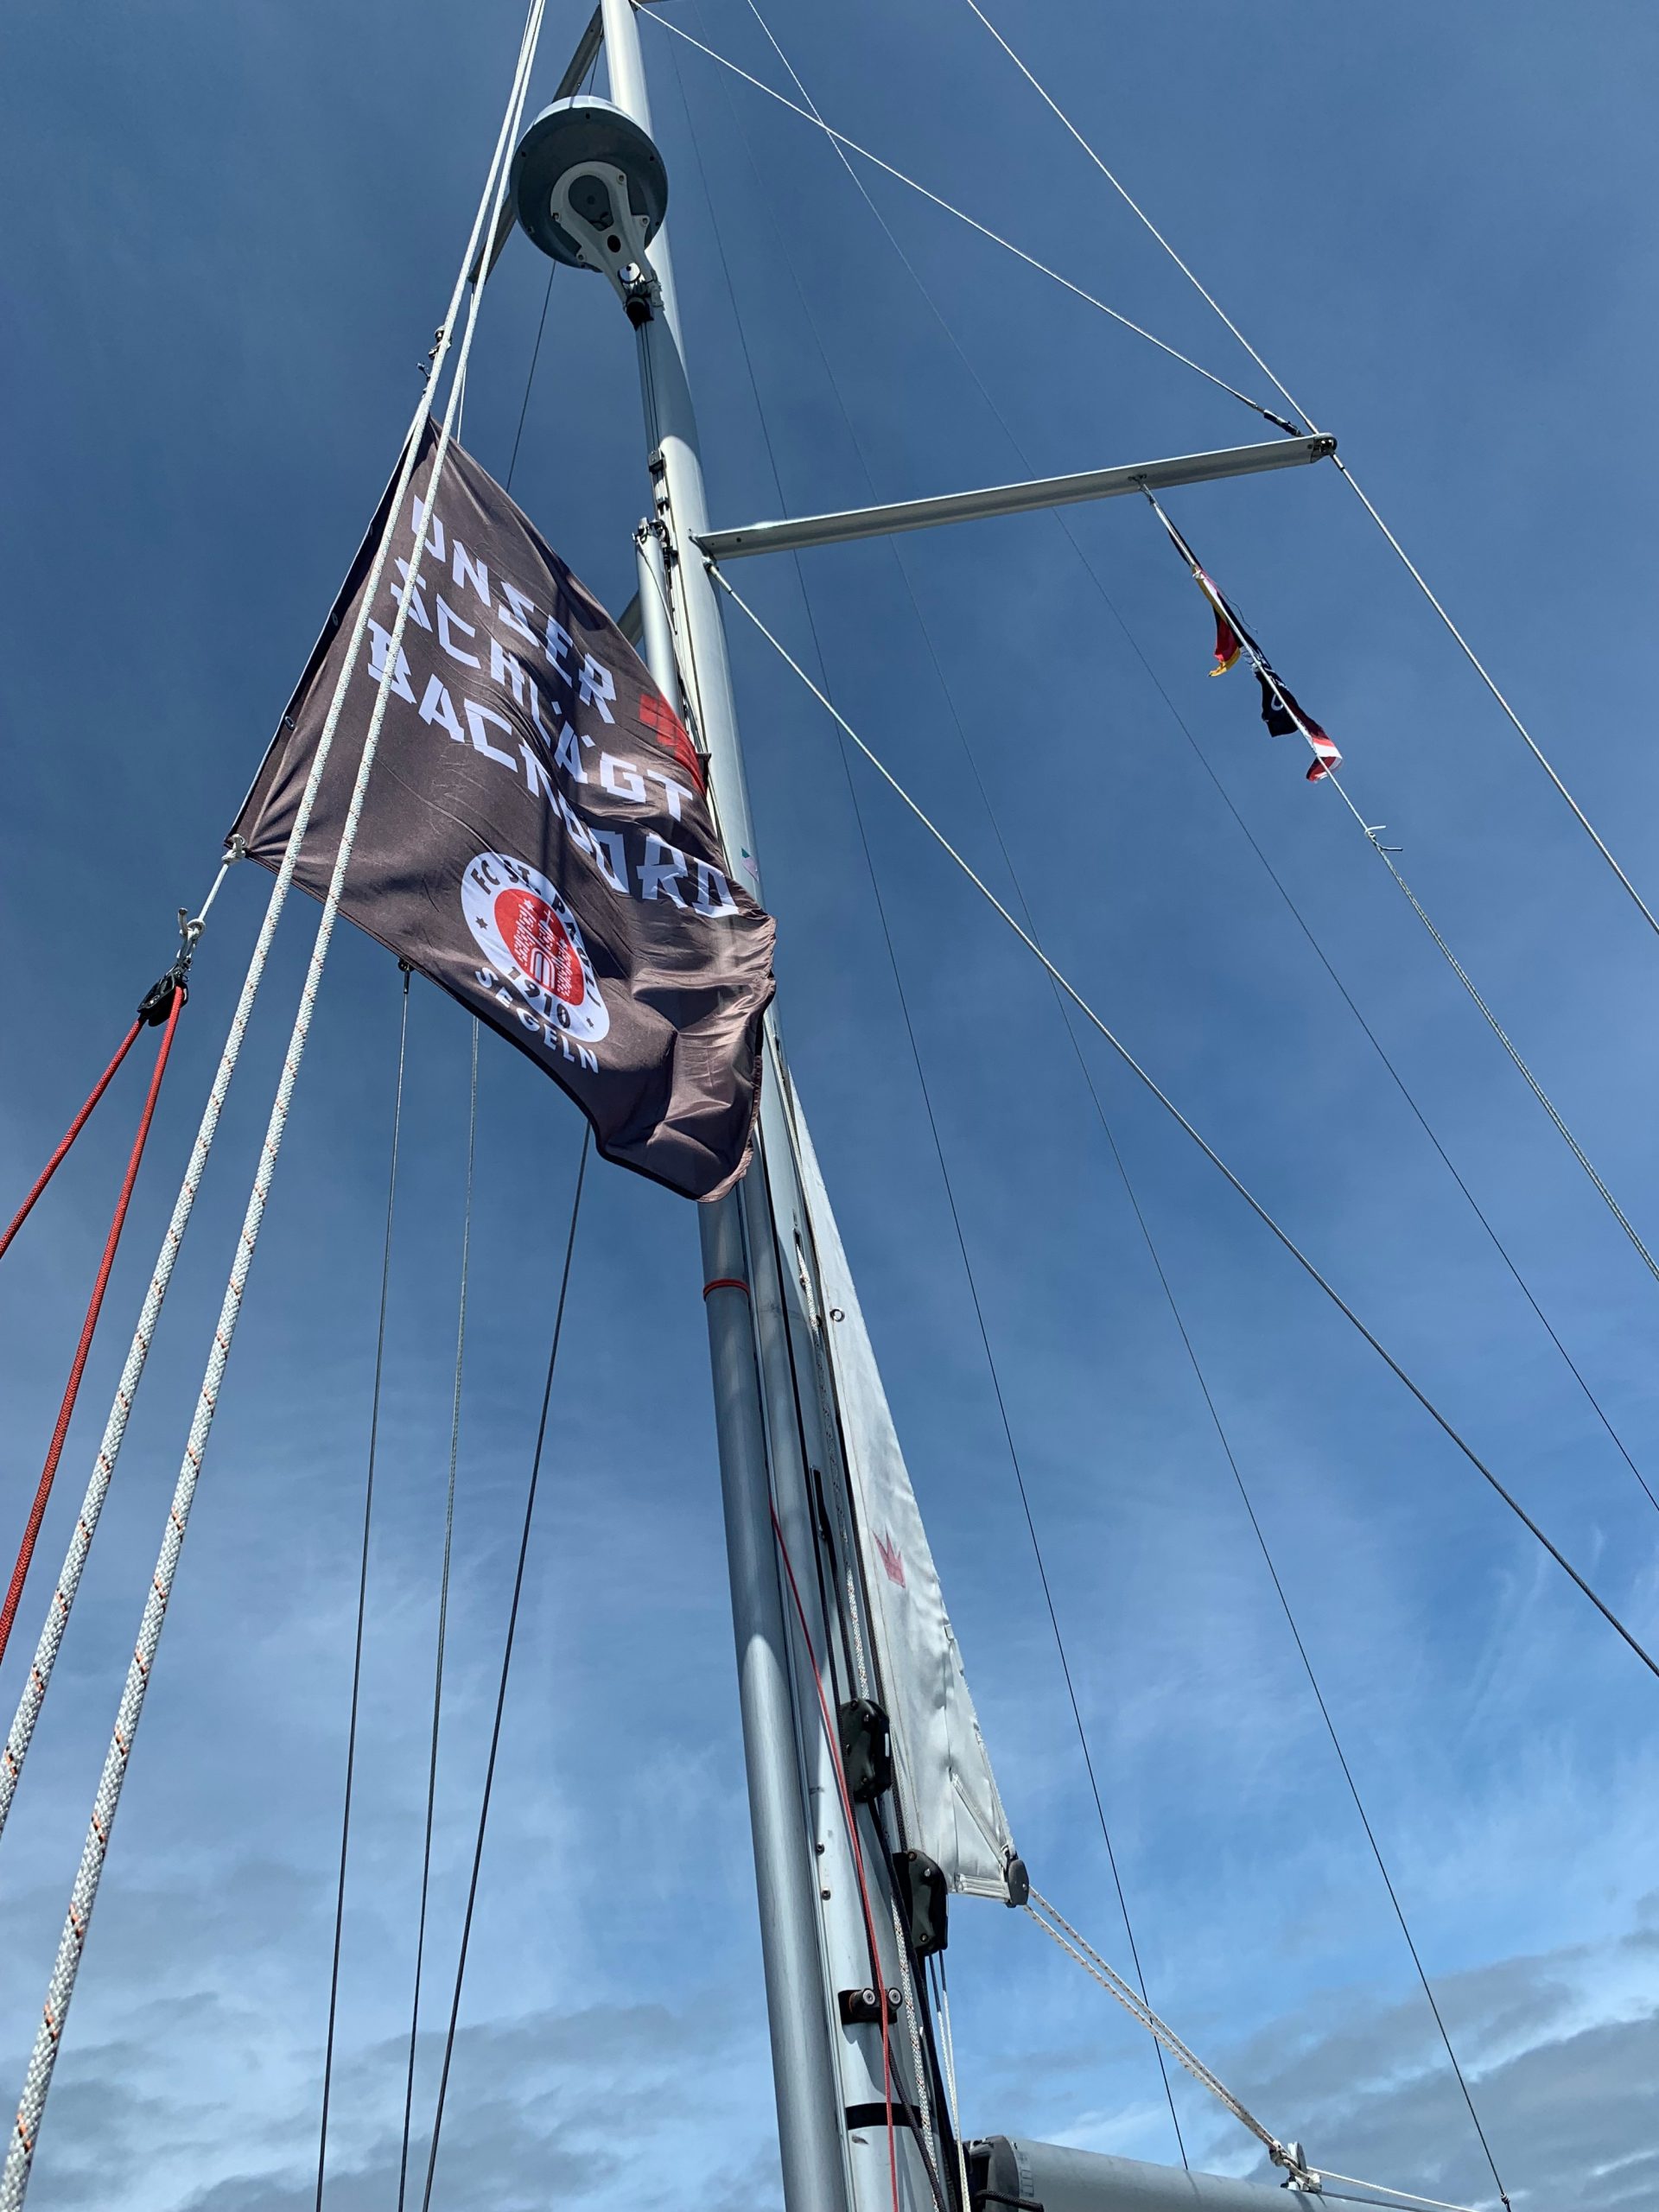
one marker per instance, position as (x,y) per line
(1148,1081)
(1372,835)
(362,1598)
(506,1669)
(1145,1226)
(1410,566)
(14,2180)
(1062,524)
(443,1629)
(915,1056)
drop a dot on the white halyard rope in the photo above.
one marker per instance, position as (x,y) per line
(14,2182)
(1060,1931)
(912,2012)
(1302,2177)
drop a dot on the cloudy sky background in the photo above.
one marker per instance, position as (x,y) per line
(231,233)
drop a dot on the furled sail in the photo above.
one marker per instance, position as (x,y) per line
(947,1793)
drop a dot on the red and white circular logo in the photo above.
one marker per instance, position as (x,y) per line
(530,937)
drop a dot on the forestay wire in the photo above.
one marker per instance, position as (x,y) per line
(1215,1159)
(1410,566)
(14,2182)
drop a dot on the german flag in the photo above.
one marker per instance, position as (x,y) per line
(1281,710)
(1229,644)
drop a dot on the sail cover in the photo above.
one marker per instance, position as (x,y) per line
(948,1795)
(534,836)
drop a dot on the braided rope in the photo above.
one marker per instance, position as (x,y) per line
(1089,1959)
(912,2012)
(14,2183)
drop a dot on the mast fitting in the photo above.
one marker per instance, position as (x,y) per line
(590,189)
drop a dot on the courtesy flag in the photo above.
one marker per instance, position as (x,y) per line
(536,835)
(1229,644)
(1281,710)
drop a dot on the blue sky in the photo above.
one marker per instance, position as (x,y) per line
(231,232)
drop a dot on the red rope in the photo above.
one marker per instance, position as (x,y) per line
(37,1511)
(69,1136)
(833,1739)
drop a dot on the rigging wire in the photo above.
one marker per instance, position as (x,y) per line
(840,138)
(1143,1076)
(505,1673)
(1294,430)
(833,1740)
(916,1055)
(1372,834)
(1213,303)
(895,2093)
(1090,570)
(1123,1175)
(541,332)
(535,356)
(14,2180)
(443,1627)
(362,1597)
(1302,1653)
(1129,1187)
(1410,566)
(1118,1161)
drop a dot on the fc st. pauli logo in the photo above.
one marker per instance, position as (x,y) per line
(530,938)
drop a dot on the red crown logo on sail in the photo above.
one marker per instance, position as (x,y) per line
(892,1558)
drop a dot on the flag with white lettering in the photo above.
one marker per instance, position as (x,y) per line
(536,835)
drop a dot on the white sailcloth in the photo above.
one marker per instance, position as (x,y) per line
(947,1793)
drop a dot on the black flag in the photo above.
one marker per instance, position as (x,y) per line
(535,836)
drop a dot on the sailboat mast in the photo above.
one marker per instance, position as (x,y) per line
(799,1994)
